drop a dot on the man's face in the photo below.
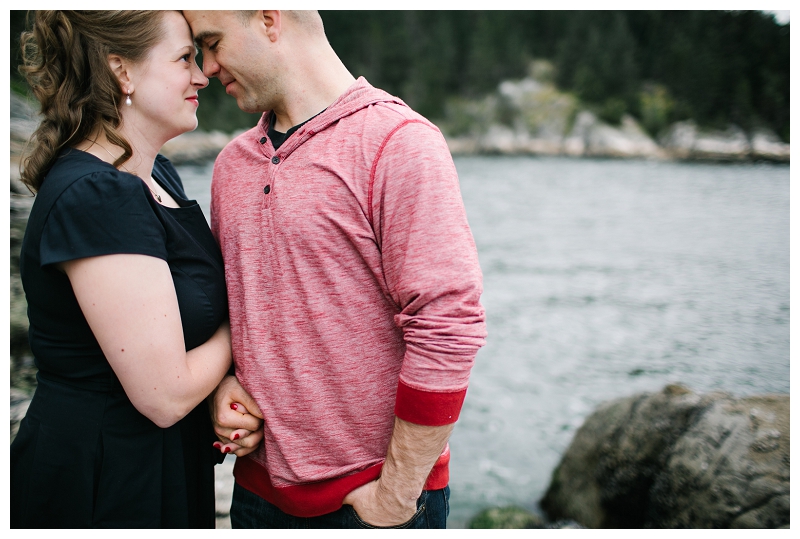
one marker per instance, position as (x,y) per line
(234,52)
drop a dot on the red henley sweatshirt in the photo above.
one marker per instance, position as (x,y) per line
(354,292)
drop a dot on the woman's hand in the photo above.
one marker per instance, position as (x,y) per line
(236,418)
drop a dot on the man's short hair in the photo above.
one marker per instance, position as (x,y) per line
(308,20)
(245,16)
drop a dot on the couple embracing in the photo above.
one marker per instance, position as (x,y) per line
(322,330)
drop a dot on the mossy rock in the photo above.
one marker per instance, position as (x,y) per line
(504,518)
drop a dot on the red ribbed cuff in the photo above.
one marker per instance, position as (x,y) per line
(429,408)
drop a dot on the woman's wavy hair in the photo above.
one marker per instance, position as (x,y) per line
(65,61)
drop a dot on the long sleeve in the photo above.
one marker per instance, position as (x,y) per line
(431,271)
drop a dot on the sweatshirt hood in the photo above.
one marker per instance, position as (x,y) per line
(359,95)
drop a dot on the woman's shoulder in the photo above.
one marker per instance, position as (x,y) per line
(86,207)
(81,183)
(76,170)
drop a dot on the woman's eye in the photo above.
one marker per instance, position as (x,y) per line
(187,57)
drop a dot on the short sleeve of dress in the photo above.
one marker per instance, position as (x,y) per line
(102,213)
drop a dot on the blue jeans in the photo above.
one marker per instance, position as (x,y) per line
(249,510)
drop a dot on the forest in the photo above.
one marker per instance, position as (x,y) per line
(715,67)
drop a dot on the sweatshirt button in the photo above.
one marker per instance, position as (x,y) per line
(276,160)
(266,189)
(263,140)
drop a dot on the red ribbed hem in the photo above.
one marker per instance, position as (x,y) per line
(322,497)
(428,408)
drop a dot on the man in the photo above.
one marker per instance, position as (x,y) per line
(353,283)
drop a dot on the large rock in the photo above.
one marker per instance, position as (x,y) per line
(592,138)
(23,122)
(676,459)
(766,145)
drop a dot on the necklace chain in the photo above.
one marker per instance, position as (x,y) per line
(156,195)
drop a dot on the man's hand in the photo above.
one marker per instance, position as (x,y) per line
(378,507)
(236,417)
(392,499)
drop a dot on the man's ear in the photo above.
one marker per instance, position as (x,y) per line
(271,20)
(120,67)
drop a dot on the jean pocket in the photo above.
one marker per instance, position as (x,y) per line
(413,522)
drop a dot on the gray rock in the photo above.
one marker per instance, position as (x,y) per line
(196,147)
(766,145)
(627,140)
(684,140)
(20,400)
(675,459)
(23,123)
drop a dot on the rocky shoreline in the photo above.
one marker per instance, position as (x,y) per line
(532,117)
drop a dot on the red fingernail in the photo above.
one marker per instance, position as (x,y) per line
(235,436)
(217,445)
(226,450)
(233,406)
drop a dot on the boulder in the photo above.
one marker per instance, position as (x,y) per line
(766,145)
(627,140)
(676,459)
(592,138)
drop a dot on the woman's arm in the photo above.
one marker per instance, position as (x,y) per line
(130,304)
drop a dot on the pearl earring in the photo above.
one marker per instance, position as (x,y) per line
(128,100)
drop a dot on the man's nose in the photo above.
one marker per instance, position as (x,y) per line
(210,66)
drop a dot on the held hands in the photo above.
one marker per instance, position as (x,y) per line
(378,506)
(236,418)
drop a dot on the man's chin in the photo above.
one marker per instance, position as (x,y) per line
(248,106)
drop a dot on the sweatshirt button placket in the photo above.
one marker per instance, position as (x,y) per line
(276,160)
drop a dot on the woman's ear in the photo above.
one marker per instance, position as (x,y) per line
(120,67)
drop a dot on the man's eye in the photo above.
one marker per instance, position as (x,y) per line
(213,46)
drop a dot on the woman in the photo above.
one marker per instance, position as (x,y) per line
(124,282)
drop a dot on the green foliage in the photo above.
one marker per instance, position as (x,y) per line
(464,116)
(612,110)
(655,108)
(508,518)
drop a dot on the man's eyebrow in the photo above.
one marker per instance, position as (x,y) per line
(199,38)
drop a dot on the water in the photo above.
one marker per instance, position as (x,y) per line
(603,279)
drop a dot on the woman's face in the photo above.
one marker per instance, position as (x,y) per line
(165,85)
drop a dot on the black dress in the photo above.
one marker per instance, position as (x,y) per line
(84,457)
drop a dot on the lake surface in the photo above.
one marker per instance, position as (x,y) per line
(605,278)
